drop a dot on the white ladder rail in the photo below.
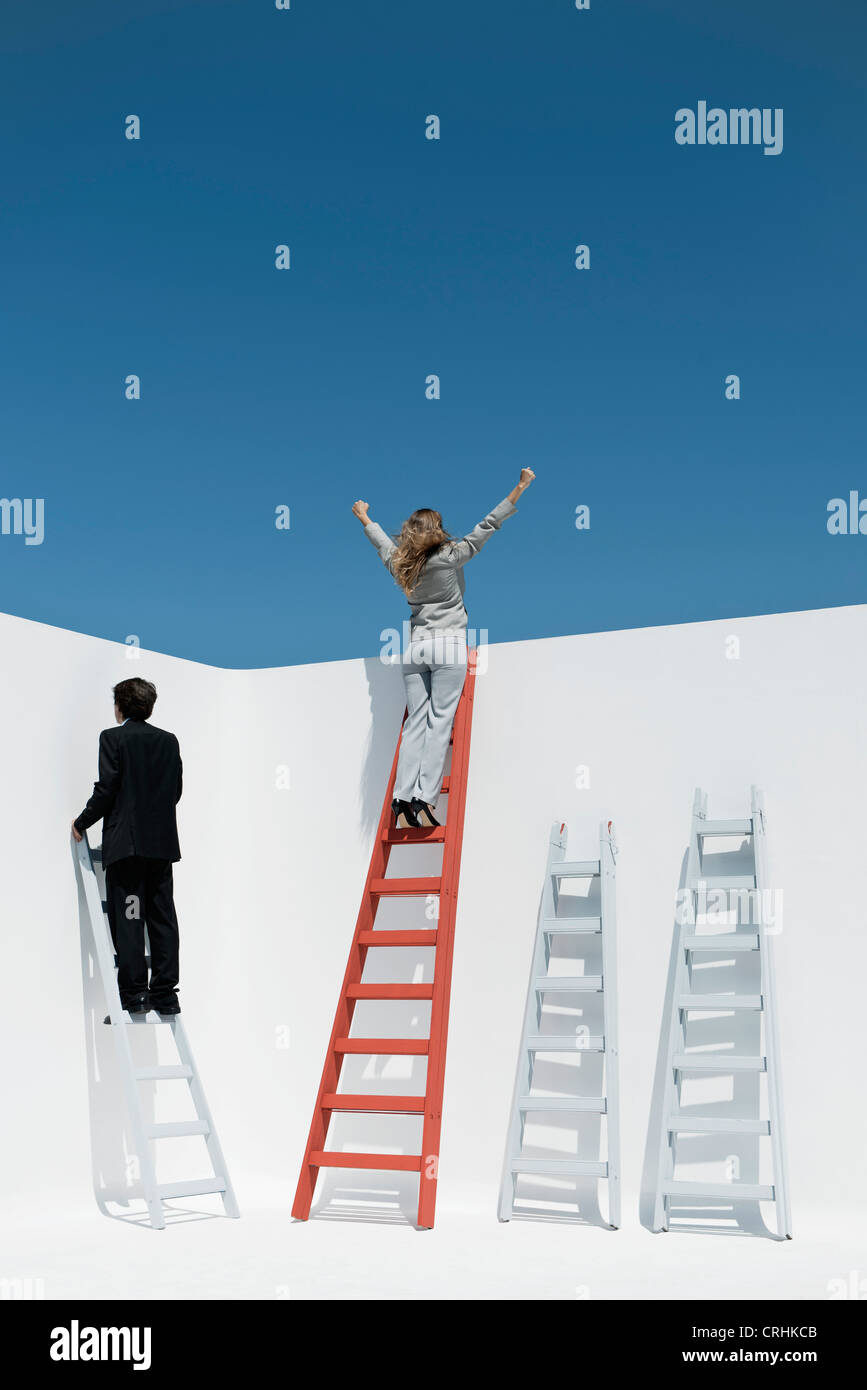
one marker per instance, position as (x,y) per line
(152,1193)
(102,945)
(524,1069)
(667,1138)
(607,868)
(771,1034)
(212,1142)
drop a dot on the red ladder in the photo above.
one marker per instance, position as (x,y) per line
(377,887)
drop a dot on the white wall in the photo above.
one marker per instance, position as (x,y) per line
(55,696)
(269,885)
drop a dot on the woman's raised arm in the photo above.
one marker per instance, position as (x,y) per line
(526,478)
(374,532)
(472,543)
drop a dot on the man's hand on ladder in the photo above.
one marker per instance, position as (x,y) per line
(76,834)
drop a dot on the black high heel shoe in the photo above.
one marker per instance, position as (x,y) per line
(404,815)
(424,816)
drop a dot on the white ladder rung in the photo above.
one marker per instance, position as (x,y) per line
(591,1105)
(177,1129)
(192,1187)
(716,1061)
(588,868)
(716,1002)
(570,925)
(149,1020)
(723,941)
(726,1191)
(561,1167)
(565,1042)
(727,881)
(726,827)
(173,1073)
(712,1124)
(569,984)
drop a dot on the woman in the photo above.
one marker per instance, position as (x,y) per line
(428,564)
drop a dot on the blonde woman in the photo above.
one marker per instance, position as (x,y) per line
(428,565)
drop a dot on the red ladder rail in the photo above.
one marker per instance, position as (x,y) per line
(376,888)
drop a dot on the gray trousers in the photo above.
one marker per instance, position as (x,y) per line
(434,668)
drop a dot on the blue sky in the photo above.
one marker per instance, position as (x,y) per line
(306,387)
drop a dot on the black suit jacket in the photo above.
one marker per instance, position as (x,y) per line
(140,782)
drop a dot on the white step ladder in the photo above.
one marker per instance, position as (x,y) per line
(526,1100)
(719,1032)
(142,1133)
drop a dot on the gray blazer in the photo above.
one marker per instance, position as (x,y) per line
(437,601)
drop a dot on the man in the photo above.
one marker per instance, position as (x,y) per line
(140,781)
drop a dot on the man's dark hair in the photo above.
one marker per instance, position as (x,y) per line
(135,698)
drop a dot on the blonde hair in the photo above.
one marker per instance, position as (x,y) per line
(420,535)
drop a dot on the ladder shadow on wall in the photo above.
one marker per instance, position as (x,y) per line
(375,1196)
(721,1096)
(116,1186)
(385,687)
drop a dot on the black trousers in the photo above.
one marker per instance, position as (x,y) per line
(139,894)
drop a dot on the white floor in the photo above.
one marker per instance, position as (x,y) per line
(469,1255)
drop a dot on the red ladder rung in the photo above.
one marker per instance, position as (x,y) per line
(416,835)
(401,1163)
(408,1105)
(397,938)
(404,887)
(389,991)
(383,1047)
